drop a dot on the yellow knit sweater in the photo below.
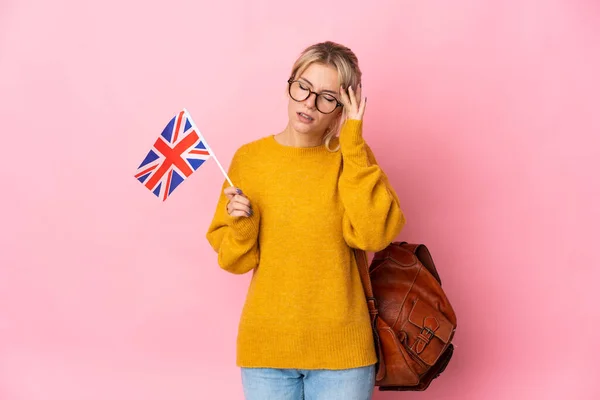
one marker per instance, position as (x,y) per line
(305,307)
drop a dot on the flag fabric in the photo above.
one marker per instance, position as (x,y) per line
(177,153)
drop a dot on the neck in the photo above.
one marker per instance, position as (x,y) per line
(290,137)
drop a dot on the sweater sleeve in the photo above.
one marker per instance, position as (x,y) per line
(372,214)
(235,239)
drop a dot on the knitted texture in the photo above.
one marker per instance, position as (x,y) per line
(305,307)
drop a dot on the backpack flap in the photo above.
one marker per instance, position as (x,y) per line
(428,332)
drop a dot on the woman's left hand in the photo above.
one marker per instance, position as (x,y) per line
(353,102)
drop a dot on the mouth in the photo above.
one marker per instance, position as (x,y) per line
(305,117)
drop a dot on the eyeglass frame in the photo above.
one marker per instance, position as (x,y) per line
(310,93)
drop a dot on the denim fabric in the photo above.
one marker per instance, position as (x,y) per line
(294,384)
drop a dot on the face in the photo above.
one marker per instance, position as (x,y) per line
(304,117)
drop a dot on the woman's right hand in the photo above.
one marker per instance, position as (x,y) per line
(238,204)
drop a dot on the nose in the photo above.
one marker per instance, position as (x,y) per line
(311,100)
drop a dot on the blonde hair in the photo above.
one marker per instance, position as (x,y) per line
(343,60)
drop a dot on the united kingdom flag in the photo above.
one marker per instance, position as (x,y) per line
(177,153)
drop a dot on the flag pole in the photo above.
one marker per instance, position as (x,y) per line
(207,145)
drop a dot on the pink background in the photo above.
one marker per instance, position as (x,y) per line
(485,115)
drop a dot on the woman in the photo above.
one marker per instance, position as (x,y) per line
(303,199)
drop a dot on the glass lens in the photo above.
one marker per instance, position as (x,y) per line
(299,92)
(326,103)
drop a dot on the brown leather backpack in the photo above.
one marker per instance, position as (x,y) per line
(413,321)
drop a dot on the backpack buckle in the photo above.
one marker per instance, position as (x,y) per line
(372,305)
(430,333)
(373,299)
(422,340)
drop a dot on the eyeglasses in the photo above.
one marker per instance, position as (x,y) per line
(324,102)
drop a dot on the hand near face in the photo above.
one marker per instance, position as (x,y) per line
(354,104)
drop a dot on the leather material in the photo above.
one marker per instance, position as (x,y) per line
(413,321)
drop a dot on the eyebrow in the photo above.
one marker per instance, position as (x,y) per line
(324,91)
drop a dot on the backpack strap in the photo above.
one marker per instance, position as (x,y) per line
(362,262)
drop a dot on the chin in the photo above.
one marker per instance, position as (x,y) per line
(302,128)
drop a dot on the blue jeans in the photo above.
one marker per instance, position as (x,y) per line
(294,384)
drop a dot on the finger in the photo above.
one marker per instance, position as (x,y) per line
(241,203)
(361,109)
(232,191)
(241,210)
(241,199)
(236,208)
(360,101)
(352,96)
(344,97)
